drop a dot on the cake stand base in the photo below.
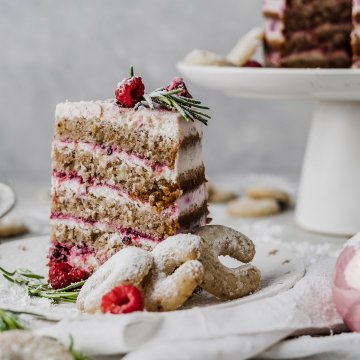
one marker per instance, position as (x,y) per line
(329,193)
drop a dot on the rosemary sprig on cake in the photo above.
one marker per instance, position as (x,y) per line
(187,107)
(37,286)
(130,92)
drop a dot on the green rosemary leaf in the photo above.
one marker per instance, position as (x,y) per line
(179,109)
(171,100)
(7,272)
(190,100)
(77,355)
(55,295)
(192,111)
(197,117)
(187,103)
(37,286)
(32,276)
(71,287)
(9,321)
(131,71)
(9,278)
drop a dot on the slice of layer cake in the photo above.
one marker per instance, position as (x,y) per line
(303,33)
(124,177)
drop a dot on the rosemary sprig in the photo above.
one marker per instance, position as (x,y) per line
(9,321)
(37,286)
(188,108)
(77,355)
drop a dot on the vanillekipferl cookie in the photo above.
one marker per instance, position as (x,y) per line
(219,280)
(129,266)
(176,273)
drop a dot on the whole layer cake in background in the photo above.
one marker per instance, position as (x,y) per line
(355,36)
(122,177)
(311,33)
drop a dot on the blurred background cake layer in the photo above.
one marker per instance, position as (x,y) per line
(355,36)
(302,33)
(122,177)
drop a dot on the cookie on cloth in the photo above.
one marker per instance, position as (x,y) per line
(176,273)
(219,280)
(127,267)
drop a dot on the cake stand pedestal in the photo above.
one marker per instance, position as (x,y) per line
(329,193)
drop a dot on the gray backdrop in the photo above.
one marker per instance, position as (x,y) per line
(80,49)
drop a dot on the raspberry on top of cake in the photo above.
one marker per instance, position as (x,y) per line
(127,171)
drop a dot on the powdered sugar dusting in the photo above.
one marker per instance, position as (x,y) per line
(276,276)
(127,267)
(30,255)
(267,231)
(179,247)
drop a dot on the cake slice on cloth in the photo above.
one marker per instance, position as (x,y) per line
(126,172)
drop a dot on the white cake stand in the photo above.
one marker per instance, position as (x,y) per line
(329,193)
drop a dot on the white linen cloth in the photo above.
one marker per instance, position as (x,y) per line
(238,332)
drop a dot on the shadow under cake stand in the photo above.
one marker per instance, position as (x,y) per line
(329,193)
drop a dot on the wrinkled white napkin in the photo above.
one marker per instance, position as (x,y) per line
(345,346)
(238,332)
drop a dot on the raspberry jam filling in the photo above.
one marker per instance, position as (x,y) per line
(61,176)
(113,150)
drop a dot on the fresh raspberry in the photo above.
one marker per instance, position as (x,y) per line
(130,91)
(122,299)
(252,63)
(178,83)
(62,274)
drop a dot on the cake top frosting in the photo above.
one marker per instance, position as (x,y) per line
(130,93)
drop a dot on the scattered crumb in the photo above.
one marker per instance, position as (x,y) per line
(273,252)
(286,262)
